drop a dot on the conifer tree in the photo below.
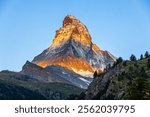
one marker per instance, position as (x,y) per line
(133,58)
(141,57)
(146,54)
(95,74)
(119,60)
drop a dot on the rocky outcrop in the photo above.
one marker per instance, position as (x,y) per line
(102,86)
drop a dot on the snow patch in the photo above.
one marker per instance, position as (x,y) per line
(86,81)
(64,72)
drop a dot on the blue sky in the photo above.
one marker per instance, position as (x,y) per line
(27,27)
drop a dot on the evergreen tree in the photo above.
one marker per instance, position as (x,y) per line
(141,57)
(146,54)
(133,58)
(114,64)
(95,74)
(139,89)
(119,60)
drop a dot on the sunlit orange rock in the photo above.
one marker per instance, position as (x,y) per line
(78,65)
(72,29)
(95,48)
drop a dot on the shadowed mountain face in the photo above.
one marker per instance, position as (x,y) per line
(72,50)
(53,74)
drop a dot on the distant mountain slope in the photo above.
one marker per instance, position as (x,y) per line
(55,74)
(17,86)
(125,80)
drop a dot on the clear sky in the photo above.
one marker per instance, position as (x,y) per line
(27,27)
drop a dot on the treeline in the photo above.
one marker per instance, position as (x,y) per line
(132,58)
(124,63)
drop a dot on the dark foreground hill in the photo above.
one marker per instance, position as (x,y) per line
(17,86)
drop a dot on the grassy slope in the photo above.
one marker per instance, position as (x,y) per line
(133,75)
(124,80)
(10,91)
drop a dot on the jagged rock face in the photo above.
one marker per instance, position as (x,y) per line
(103,86)
(72,49)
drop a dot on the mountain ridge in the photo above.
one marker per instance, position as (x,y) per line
(73,43)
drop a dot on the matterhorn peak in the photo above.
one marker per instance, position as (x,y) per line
(73,49)
(72,29)
(69,19)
